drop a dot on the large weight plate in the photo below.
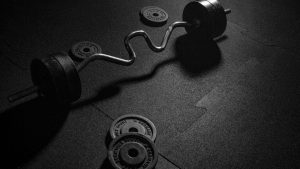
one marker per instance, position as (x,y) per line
(132,150)
(132,123)
(57,78)
(209,13)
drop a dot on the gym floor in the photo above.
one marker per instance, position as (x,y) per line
(228,103)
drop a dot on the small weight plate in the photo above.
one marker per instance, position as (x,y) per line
(153,16)
(82,50)
(132,123)
(132,150)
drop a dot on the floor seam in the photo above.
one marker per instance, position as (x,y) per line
(272,43)
(101,111)
(169,160)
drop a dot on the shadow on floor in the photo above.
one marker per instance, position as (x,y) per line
(196,54)
(26,129)
(106,164)
(29,127)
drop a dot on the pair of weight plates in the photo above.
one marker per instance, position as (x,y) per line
(133,143)
(84,49)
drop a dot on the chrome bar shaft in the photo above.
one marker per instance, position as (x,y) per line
(131,53)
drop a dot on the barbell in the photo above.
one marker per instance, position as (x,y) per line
(57,77)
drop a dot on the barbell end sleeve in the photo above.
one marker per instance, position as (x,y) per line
(22,94)
(227,11)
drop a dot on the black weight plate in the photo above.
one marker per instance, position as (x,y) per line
(209,13)
(197,12)
(57,78)
(220,18)
(82,50)
(48,75)
(72,78)
(132,123)
(132,150)
(153,16)
(43,77)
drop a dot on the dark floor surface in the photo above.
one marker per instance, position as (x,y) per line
(231,103)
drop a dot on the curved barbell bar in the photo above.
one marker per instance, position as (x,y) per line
(113,59)
(128,46)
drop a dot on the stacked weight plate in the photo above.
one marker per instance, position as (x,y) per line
(132,144)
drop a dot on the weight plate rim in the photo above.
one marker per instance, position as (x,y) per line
(220,17)
(148,121)
(150,22)
(74,82)
(213,17)
(77,44)
(61,90)
(110,148)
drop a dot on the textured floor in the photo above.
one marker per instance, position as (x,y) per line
(229,103)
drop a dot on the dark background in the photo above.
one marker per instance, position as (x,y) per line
(230,103)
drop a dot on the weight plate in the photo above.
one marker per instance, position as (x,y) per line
(153,16)
(57,78)
(132,150)
(220,18)
(82,50)
(197,12)
(47,74)
(132,123)
(209,13)
(72,78)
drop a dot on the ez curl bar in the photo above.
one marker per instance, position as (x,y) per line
(57,77)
